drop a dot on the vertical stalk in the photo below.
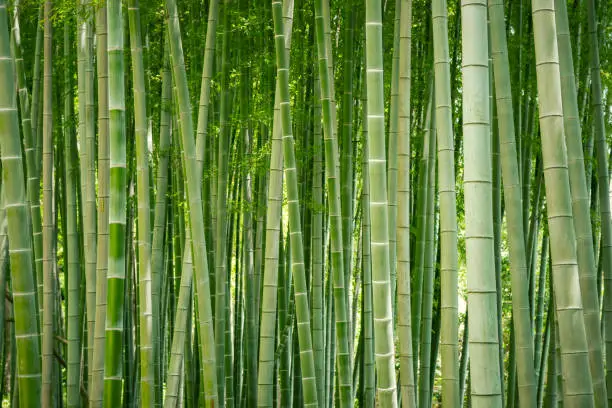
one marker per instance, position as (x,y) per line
(448,218)
(73,247)
(48,218)
(148,327)
(580,205)
(96,381)
(113,362)
(578,389)
(194,196)
(381,285)
(26,330)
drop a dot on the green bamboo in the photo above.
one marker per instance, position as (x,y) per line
(343,352)
(403,309)
(267,339)
(367,321)
(421,226)
(601,149)
(32,166)
(392,154)
(346,165)
(35,115)
(48,221)
(96,383)
(73,266)
(20,248)
(425,384)
(203,108)
(161,208)
(195,209)
(148,327)
(297,254)
(513,205)
(578,389)
(317,269)
(180,332)
(482,298)
(449,336)
(116,275)
(223,371)
(381,285)
(87,168)
(580,205)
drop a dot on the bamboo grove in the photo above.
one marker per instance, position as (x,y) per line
(357,203)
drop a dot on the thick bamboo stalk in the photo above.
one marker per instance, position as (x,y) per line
(381,285)
(96,381)
(449,336)
(580,205)
(578,388)
(116,275)
(513,205)
(20,247)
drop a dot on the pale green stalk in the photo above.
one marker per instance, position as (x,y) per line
(481,288)
(159,223)
(20,247)
(521,317)
(96,382)
(343,352)
(73,247)
(392,153)
(601,149)
(580,205)
(318,276)
(48,221)
(381,285)
(32,166)
(223,142)
(297,251)
(86,129)
(369,374)
(578,388)
(196,218)
(148,328)
(403,309)
(177,349)
(267,338)
(449,335)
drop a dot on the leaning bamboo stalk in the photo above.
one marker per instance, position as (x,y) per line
(195,209)
(297,251)
(580,205)
(577,389)
(514,210)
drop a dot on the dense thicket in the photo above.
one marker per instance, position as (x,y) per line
(321,203)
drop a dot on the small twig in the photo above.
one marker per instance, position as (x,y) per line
(59,358)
